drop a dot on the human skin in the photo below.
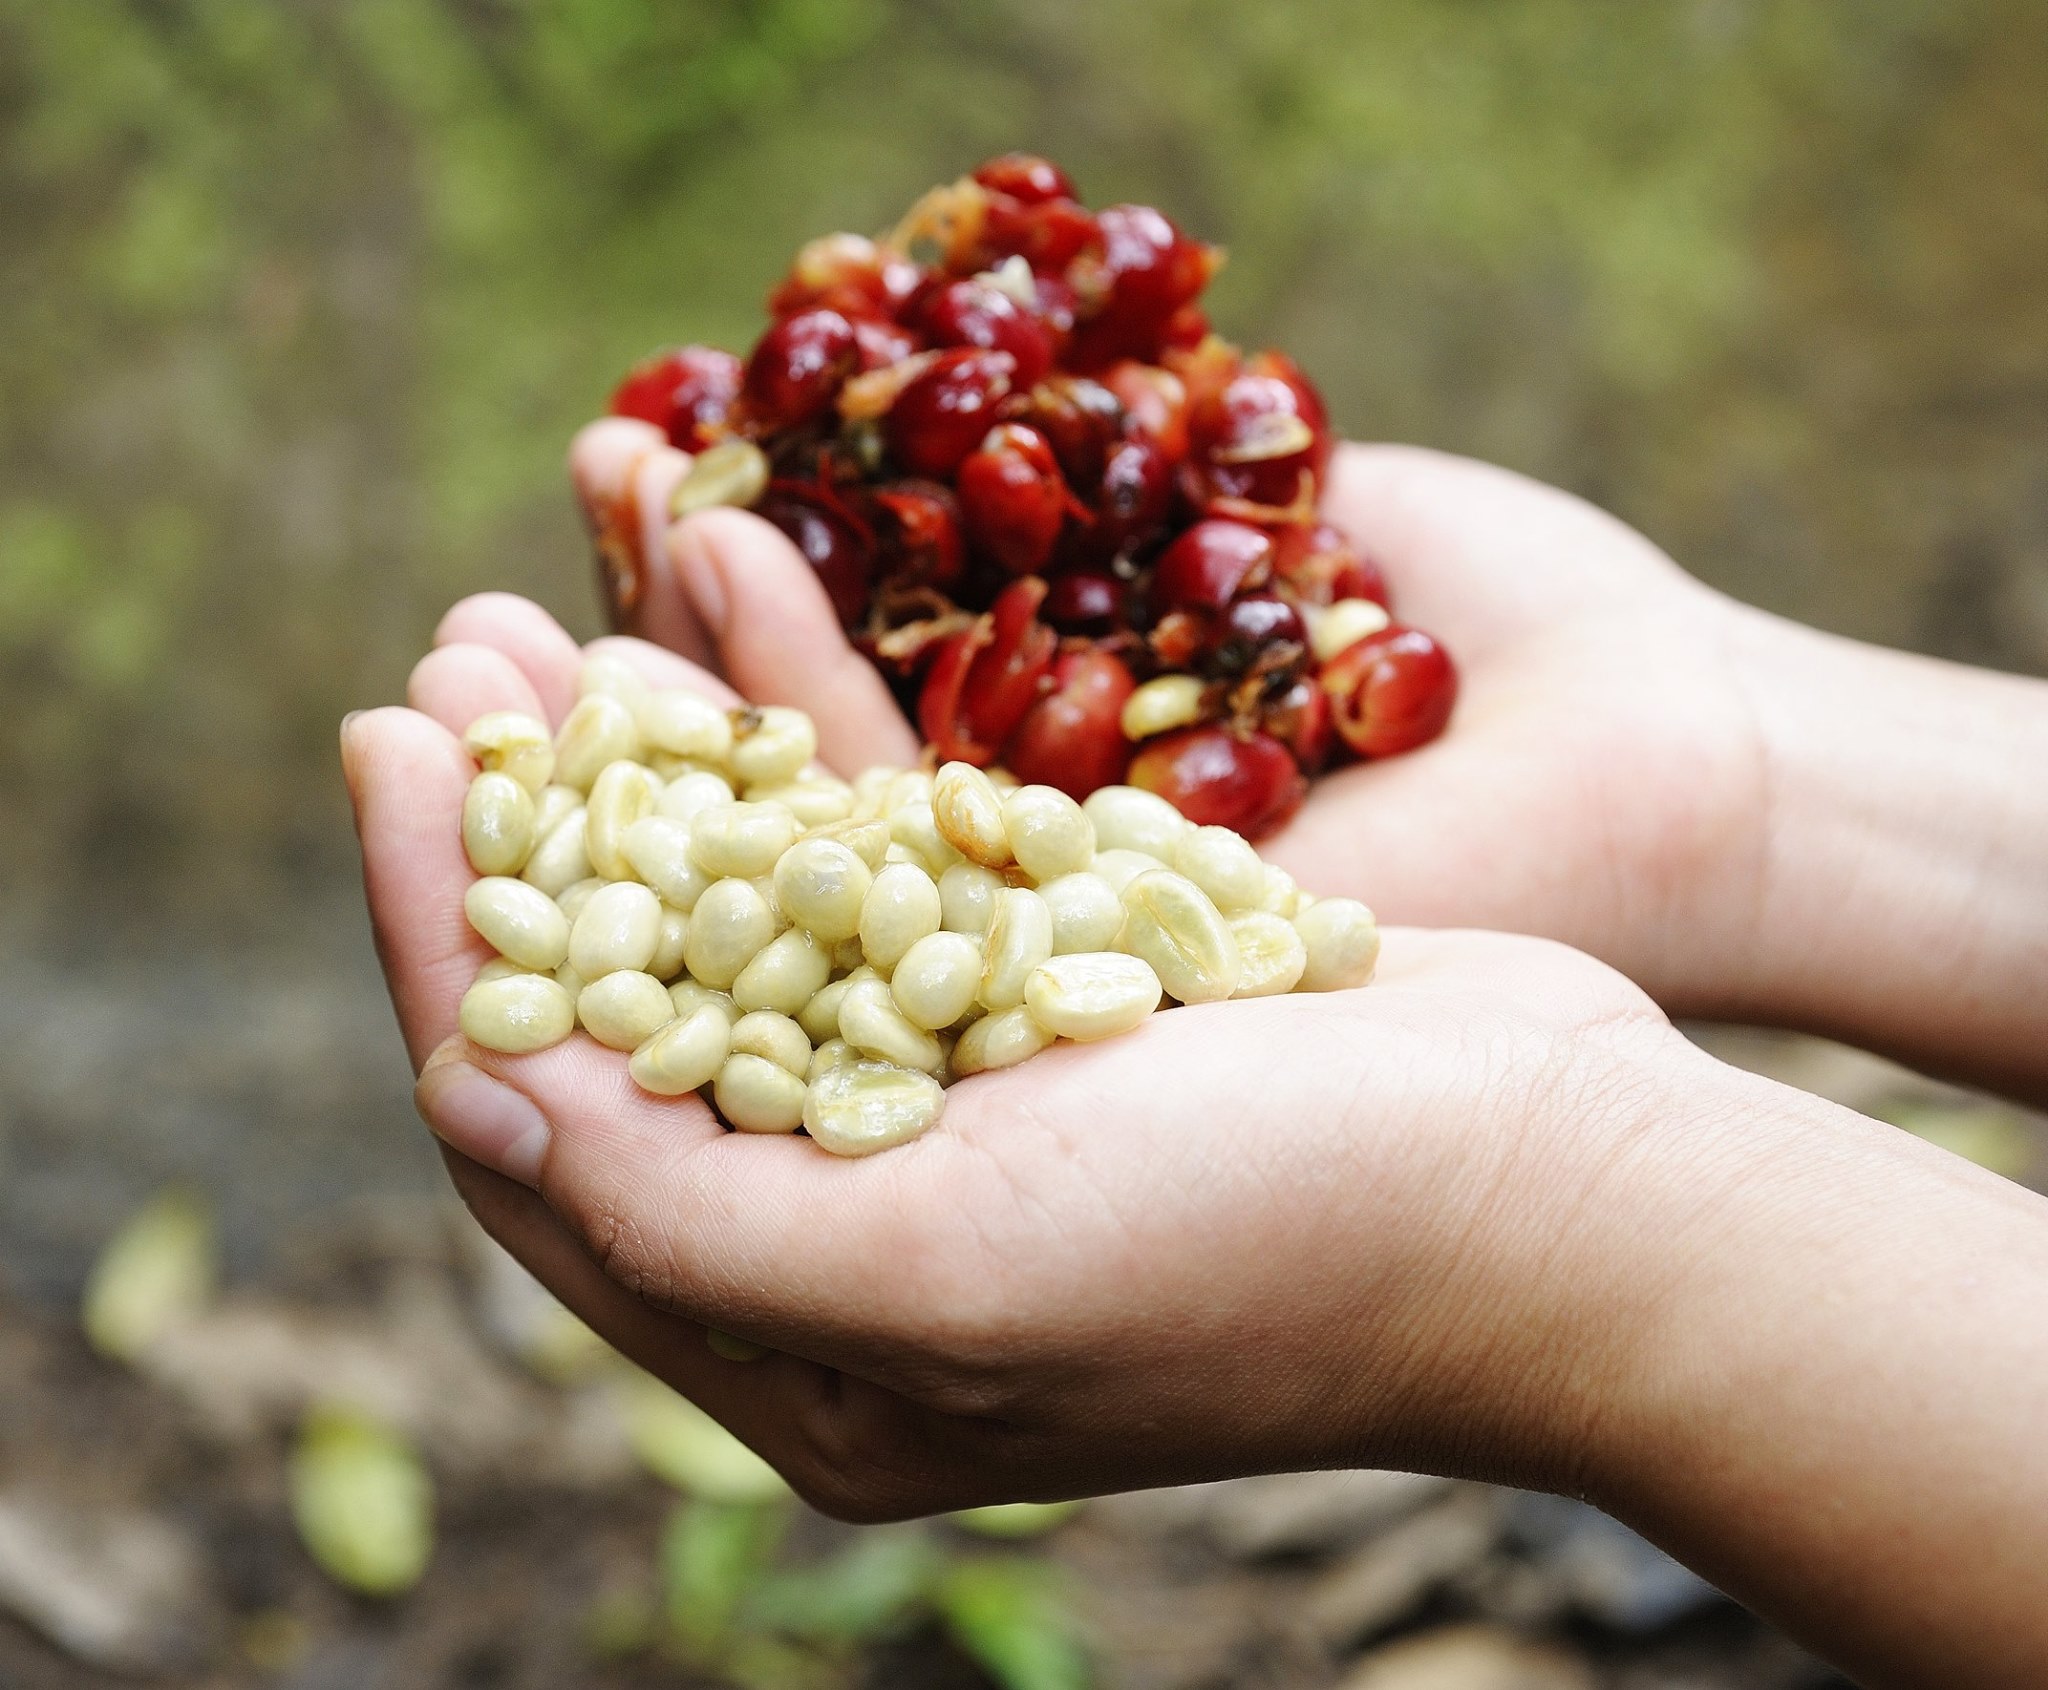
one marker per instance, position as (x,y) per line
(1490,1215)
(1752,820)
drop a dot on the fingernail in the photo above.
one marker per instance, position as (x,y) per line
(698,570)
(483,1119)
(348,773)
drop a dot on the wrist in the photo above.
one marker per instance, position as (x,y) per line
(1826,1399)
(1900,900)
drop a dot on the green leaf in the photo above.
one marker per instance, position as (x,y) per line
(866,1591)
(159,1269)
(1014,1519)
(1010,1617)
(678,1442)
(712,1555)
(363,1501)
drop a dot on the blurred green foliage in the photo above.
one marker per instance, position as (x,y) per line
(299,304)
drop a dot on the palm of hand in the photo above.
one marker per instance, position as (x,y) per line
(1093,1238)
(1599,781)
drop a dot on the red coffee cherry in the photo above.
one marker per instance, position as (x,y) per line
(1073,737)
(797,368)
(975,313)
(1210,565)
(688,391)
(841,554)
(942,415)
(1026,177)
(1216,776)
(1013,498)
(1391,691)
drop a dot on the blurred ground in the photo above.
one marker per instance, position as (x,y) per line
(298,306)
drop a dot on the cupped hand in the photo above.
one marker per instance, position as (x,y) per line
(1371,1226)
(1601,782)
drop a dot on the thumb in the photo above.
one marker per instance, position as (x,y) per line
(778,638)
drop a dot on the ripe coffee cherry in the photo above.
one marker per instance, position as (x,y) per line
(1391,691)
(1257,626)
(986,677)
(1137,488)
(1084,603)
(1255,437)
(797,367)
(688,391)
(1073,737)
(1145,271)
(1026,177)
(1218,777)
(844,273)
(1155,403)
(882,344)
(1210,565)
(1048,235)
(830,542)
(1080,419)
(1300,718)
(942,415)
(974,313)
(918,533)
(1317,565)
(1013,498)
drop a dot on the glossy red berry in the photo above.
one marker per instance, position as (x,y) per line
(1155,402)
(1013,499)
(687,391)
(1216,776)
(1025,177)
(1259,435)
(882,344)
(844,273)
(985,678)
(1390,691)
(842,556)
(1317,564)
(1048,235)
(942,415)
(1259,628)
(1133,498)
(798,366)
(1144,272)
(1300,718)
(1073,737)
(1080,419)
(975,313)
(1210,564)
(1084,602)
(918,534)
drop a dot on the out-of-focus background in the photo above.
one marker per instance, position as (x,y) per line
(298,308)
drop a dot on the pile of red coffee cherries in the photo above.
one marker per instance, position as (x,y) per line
(1075,529)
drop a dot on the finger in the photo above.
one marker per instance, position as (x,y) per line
(779,639)
(666,1345)
(662,668)
(532,639)
(625,472)
(455,684)
(407,775)
(849,1447)
(758,1234)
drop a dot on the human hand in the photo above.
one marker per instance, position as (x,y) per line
(1488,1216)
(1274,1233)
(1599,783)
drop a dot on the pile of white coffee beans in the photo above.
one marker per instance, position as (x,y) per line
(684,883)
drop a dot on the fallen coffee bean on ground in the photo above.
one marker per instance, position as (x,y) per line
(687,887)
